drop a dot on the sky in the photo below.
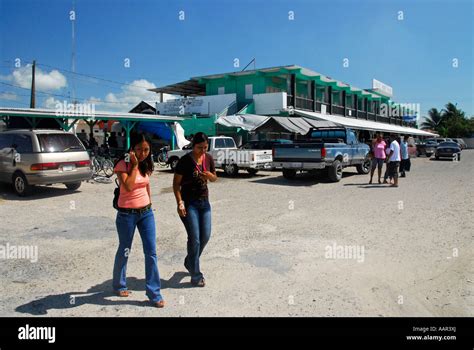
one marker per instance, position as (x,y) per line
(423,49)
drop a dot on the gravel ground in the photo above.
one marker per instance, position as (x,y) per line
(268,254)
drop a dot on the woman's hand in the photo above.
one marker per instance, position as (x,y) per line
(207,175)
(133,159)
(181,209)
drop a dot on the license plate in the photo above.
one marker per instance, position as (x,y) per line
(68,167)
(265,156)
(296,165)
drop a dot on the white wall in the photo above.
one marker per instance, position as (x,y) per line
(269,103)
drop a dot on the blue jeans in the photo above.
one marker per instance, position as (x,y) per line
(126,224)
(198,227)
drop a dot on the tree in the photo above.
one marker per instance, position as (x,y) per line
(449,122)
(433,121)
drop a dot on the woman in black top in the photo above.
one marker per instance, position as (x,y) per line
(192,173)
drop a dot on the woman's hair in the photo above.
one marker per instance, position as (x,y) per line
(145,167)
(198,138)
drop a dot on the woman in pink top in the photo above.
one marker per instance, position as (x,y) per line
(378,149)
(133,172)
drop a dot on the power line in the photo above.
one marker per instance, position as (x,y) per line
(60,95)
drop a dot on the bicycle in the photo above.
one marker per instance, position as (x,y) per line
(102,165)
(162,158)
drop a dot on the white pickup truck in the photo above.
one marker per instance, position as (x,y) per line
(228,157)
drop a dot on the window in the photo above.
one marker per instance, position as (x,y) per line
(351,138)
(336,98)
(23,143)
(6,141)
(219,143)
(60,143)
(221,90)
(248,91)
(328,134)
(229,143)
(349,102)
(321,94)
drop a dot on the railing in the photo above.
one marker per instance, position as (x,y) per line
(337,110)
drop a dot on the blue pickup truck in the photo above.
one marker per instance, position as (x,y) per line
(328,149)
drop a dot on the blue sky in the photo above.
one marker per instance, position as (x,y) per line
(414,55)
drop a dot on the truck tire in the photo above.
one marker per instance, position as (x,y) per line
(335,171)
(289,174)
(173,162)
(73,186)
(231,169)
(20,185)
(364,168)
(252,172)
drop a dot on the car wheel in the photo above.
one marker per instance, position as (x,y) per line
(289,173)
(231,169)
(173,163)
(20,185)
(364,168)
(335,171)
(252,172)
(73,186)
(429,155)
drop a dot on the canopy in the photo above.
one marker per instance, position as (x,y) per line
(362,124)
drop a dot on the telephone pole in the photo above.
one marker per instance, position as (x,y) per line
(33,100)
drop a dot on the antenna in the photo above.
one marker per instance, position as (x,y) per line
(254,61)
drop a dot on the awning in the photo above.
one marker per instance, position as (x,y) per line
(251,122)
(301,125)
(248,122)
(362,124)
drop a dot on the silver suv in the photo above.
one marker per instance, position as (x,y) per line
(42,157)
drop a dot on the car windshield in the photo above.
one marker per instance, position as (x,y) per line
(51,143)
(448,144)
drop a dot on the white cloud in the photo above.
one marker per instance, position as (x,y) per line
(9,96)
(45,81)
(129,96)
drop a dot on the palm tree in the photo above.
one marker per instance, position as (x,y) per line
(434,120)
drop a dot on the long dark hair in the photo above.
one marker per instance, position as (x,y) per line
(146,167)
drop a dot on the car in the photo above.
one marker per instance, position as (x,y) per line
(326,149)
(461,143)
(448,150)
(426,148)
(30,157)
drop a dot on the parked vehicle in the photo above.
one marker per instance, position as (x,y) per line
(448,150)
(330,149)
(42,157)
(461,143)
(426,148)
(228,157)
(264,144)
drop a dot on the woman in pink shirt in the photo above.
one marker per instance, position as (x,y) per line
(378,149)
(133,172)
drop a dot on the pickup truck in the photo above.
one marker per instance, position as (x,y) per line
(228,157)
(329,149)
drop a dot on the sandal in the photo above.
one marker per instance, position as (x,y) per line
(123,293)
(159,304)
(201,283)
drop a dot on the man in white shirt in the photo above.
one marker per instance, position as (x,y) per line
(394,159)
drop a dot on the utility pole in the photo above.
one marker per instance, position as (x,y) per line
(32,100)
